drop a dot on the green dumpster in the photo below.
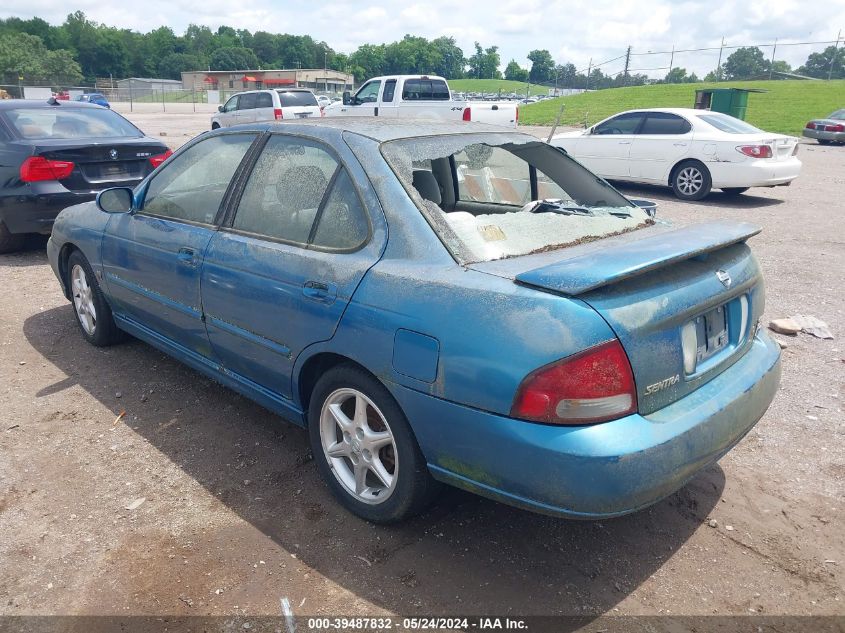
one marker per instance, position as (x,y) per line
(733,101)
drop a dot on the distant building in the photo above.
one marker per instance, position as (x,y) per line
(228,81)
(140,87)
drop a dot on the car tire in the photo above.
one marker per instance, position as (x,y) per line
(10,242)
(691,180)
(92,311)
(824,141)
(364,447)
(734,191)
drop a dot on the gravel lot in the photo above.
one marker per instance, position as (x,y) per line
(235,517)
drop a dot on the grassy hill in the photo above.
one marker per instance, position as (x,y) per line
(785,108)
(495,85)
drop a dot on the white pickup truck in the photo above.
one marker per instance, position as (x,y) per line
(420,97)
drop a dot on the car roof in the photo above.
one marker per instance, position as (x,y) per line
(383,129)
(14,104)
(678,111)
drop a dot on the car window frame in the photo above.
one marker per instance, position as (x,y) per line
(140,192)
(259,95)
(392,83)
(253,95)
(226,223)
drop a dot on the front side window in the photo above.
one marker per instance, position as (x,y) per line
(665,123)
(368,93)
(285,189)
(61,122)
(192,184)
(231,104)
(623,124)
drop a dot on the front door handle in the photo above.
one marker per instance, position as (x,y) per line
(320,291)
(187,256)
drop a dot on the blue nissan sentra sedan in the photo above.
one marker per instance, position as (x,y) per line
(436,303)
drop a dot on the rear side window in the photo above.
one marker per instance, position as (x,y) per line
(728,124)
(665,123)
(247,101)
(264,100)
(622,124)
(192,184)
(297,98)
(389,90)
(285,189)
(342,222)
(69,122)
(425,90)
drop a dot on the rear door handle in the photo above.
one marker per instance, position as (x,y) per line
(624,142)
(187,256)
(320,291)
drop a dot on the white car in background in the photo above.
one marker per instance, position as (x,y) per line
(692,151)
(323,101)
(266,105)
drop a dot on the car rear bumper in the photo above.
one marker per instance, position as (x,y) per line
(755,173)
(836,137)
(596,471)
(35,213)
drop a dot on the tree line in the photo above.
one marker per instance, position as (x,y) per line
(80,50)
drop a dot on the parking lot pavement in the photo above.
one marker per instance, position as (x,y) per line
(234,517)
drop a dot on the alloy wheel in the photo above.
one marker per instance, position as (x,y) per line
(83,300)
(359,446)
(690,180)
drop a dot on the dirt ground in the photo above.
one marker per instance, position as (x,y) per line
(235,517)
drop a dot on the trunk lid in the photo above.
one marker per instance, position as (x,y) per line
(695,291)
(102,164)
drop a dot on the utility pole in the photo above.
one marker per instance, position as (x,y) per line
(671,60)
(772,62)
(589,69)
(833,57)
(627,65)
(719,63)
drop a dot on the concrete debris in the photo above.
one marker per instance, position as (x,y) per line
(136,504)
(785,326)
(729,528)
(713,523)
(813,326)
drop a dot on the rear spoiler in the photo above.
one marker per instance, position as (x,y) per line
(615,263)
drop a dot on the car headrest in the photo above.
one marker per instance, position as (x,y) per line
(301,187)
(427,186)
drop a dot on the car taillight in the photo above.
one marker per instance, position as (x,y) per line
(836,127)
(467,114)
(810,126)
(277,114)
(756,151)
(38,168)
(158,159)
(594,386)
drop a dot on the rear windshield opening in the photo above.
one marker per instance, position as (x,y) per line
(425,90)
(296,98)
(68,123)
(496,196)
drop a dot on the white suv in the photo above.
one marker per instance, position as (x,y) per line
(266,105)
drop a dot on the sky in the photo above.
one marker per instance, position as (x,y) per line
(576,31)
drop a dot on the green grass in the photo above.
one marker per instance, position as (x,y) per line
(495,85)
(786,108)
(170,96)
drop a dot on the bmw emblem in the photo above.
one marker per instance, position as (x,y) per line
(724,277)
(113,154)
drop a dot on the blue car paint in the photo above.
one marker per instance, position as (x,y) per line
(488,333)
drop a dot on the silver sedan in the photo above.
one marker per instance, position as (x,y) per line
(829,130)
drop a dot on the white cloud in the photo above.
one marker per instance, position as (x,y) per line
(572,30)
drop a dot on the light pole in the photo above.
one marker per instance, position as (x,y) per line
(325,71)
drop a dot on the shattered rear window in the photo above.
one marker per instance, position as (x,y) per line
(498,195)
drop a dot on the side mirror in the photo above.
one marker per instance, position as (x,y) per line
(347,97)
(648,206)
(220,108)
(116,200)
